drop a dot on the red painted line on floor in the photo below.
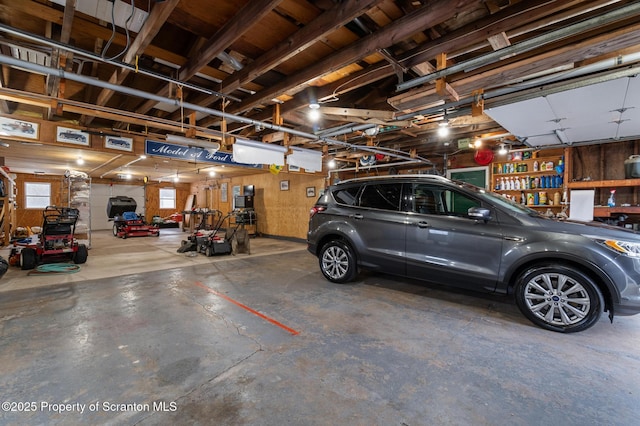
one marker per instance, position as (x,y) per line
(253,311)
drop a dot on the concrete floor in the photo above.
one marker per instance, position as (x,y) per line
(144,335)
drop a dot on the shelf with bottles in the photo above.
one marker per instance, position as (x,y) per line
(527,182)
(538,165)
(537,198)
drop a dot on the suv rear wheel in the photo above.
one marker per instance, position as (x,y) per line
(559,298)
(338,262)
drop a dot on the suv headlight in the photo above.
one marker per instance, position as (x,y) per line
(627,248)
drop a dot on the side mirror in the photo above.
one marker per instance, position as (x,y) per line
(479,213)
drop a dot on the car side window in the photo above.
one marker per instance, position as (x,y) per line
(458,204)
(382,196)
(425,200)
(346,195)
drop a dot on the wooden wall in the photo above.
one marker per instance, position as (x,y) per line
(33,217)
(279,213)
(605,162)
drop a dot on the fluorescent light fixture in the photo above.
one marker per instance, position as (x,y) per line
(201,143)
(252,152)
(308,159)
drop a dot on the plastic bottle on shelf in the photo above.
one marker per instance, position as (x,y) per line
(556,198)
(536,166)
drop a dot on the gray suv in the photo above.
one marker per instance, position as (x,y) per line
(564,274)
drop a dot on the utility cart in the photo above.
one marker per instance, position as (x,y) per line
(126,222)
(55,243)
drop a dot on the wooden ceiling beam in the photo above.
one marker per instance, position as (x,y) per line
(464,39)
(329,21)
(433,13)
(216,44)
(152,25)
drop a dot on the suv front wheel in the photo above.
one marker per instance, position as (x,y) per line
(559,298)
(338,262)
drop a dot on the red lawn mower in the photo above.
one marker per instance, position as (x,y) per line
(56,241)
(126,222)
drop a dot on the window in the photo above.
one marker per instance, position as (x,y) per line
(167,198)
(458,204)
(346,195)
(382,196)
(37,195)
(426,200)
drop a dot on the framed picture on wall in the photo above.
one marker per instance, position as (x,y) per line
(311,191)
(19,128)
(74,136)
(284,185)
(118,142)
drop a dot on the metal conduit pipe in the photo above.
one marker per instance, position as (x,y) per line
(599,66)
(98,58)
(349,129)
(526,45)
(11,61)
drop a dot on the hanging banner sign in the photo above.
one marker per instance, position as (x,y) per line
(191,153)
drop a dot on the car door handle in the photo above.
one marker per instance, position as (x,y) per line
(357,216)
(423,224)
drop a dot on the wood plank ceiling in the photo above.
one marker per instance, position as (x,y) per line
(386,73)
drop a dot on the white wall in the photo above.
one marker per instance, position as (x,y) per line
(100,195)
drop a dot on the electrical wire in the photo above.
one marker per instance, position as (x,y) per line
(113,32)
(55,268)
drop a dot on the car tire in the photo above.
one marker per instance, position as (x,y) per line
(80,256)
(28,258)
(541,295)
(338,262)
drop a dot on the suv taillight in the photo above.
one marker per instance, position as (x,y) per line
(316,209)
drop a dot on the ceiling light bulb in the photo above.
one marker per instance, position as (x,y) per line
(212,173)
(314,114)
(502,150)
(478,143)
(176,179)
(332,164)
(443,130)
(80,161)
